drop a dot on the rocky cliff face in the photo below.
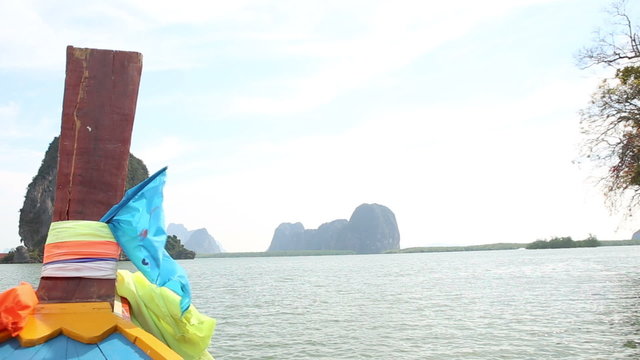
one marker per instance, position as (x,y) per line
(180,231)
(35,215)
(202,242)
(371,229)
(198,240)
(289,236)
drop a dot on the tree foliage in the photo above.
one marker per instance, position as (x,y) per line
(563,243)
(136,172)
(175,248)
(611,122)
(35,214)
(617,46)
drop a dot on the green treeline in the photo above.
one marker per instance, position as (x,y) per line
(496,246)
(563,243)
(277,253)
(619,242)
(173,246)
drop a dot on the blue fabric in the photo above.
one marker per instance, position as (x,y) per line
(137,223)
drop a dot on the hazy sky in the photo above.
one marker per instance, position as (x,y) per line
(460,116)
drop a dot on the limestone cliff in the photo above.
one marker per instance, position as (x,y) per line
(35,215)
(202,242)
(198,240)
(371,229)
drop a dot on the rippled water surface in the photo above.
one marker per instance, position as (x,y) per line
(521,304)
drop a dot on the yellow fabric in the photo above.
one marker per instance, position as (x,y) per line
(157,310)
(79,230)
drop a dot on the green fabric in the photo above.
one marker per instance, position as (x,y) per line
(79,230)
(157,310)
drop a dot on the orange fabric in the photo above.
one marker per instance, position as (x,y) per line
(126,309)
(80,249)
(15,305)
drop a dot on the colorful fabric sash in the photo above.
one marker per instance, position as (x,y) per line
(137,223)
(80,248)
(157,310)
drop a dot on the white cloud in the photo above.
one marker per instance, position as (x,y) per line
(165,12)
(450,166)
(393,36)
(440,168)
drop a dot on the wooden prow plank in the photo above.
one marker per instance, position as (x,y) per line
(100,95)
(101,90)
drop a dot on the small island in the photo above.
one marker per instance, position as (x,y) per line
(564,243)
(176,250)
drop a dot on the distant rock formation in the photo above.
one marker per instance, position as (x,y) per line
(198,240)
(180,231)
(202,243)
(636,235)
(371,229)
(35,215)
(21,255)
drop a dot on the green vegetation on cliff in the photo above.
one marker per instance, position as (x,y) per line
(136,172)
(35,215)
(175,248)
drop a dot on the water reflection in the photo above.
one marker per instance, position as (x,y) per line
(546,304)
(12,274)
(629,327)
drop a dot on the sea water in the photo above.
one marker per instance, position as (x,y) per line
(512,304)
